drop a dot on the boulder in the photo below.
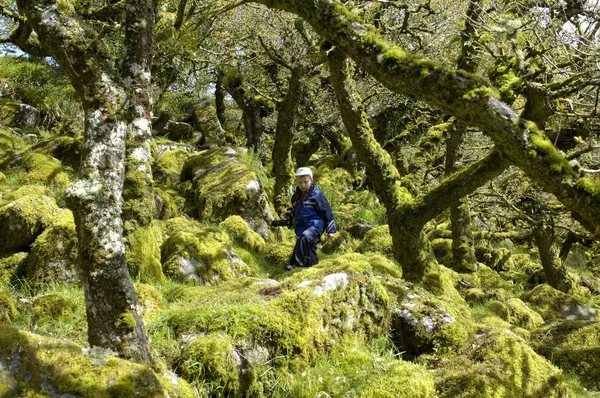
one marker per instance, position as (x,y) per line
(574,346)
(200,254)
(498,363)
(34,365)
(53,255)
(23,220)
(20,116)
(225,185)
(359,228)
(10,266)
(7,309)
(554,304)
(377,240)
(257,327)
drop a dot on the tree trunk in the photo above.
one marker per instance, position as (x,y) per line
(463,255)
(555,272)
(220,98)
(138,192)
(465,96)
(96,199)
(283,141)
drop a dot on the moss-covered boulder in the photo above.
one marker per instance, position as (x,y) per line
(437,319)
(50,306)
(7,308)
(17,115)
(53,255)
(150,300)
(225,185)
(143,252)
(574,346)
(39,366)
(353,369)
(200,254)
(168,165)
(240,232)
(517,313)
(554,304)
(22,220)
(8,140)
(498,364)
(10,266)
(377,240)
(274,325)
(44,169)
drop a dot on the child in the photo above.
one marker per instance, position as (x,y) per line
(311,215)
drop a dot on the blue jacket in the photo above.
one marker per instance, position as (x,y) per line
(314,211)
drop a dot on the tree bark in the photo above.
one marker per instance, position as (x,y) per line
(555,272)
(463,255)
(284,136)
(465,96)
(138,192)
(96,199)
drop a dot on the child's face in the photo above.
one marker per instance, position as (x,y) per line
(303,182)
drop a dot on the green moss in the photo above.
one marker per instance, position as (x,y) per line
(10,266)
(201,254)
(574,346)
(541,146)
(143,253)
(51,306)
(7,308)
(377,240)
(211,360)
(22,220)
(41,364)
(240,232)
(356,370)
(523,316)
(169,204)
(45,169)
(21,191)
(53,255)
(292,322)
(7,140)
(167,168)
(149,299)
(554,304)
(126,321)
(498,364)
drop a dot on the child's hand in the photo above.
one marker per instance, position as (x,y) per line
(329,236)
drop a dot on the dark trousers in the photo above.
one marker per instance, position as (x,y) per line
(305,251)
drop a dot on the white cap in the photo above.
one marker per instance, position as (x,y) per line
(304,171)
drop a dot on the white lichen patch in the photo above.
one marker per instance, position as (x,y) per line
(253,186)
(332,282)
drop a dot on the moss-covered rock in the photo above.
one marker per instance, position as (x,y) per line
(435,320)
(50,306)
(498,364)
(240,232)
(225,185)
(7,308)
(554,304)
(573,346)
(212,361)
(201,254)
(167,168)
(23,219)
(8,140)
(353,369)
(377,240)
(10,195)
(44,169)
(521,315)
(11,266)
(280,324)
(143,253)
(149,299)
(39,366)
(490,279)
(53,255)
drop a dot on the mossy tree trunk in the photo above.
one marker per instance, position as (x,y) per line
(253,110)
(220,97)
(554,271)
(138,192)
(463,254)
(406,214)
(463,95)
(96,199)
(284,136)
